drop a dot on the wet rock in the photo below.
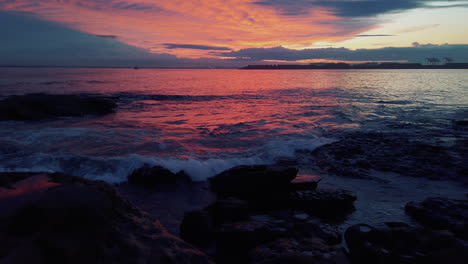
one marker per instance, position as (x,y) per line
(252,182)
(229,210)
(298,251)
(357,154)
(55,218)
(325,203)
(42,106)
(441,213)
(403,244)
(197,228)
(157,177)
(236,239)
(305,182)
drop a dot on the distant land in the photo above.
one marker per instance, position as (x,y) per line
(385,65)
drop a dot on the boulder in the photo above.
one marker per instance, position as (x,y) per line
(56,218)
(229,210)
(304,182)
(197,228)
(441,213)
(401,243)
(157,177)
(251,181)
(42,106)
(236,239)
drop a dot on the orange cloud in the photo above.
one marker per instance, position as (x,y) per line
(148,24)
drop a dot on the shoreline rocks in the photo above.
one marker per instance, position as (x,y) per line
(355,155)
(442,214)
(262,211)
(56,218)
(402,243)
(157,177)
(32,107)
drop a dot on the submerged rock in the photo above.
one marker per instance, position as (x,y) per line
(157,177)
(42,106)
(441,213)
(401,243)
(55,218)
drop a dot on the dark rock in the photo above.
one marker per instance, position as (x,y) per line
(197,228)
(358,154)
(55,218)
(298,251)
(157,177)
(305,182)
(441,213)
(235,240)
(229,210)
(252,181)
(326,203)
(403,244)
(41,106)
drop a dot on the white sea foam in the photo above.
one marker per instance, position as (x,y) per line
(116,169)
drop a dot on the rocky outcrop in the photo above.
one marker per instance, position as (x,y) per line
(158,177)
(441,213)
(55,218)
(43,106)
(357,154)
(267,215)
(401,243)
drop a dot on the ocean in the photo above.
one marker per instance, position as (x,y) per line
(206,121)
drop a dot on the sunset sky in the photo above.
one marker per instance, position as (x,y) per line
(229,32)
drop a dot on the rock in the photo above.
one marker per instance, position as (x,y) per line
(305,182)
(41,106)
(157,177)
(441,213)
(356,155)
(255,181)
(197,228)
(229,210)
(236,239)
(297,251)
(55,218)
(325,203)
(403,244)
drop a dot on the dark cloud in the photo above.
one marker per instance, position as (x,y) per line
(376,35)
(192,46)
(107,36)
(417,53)
(350,8)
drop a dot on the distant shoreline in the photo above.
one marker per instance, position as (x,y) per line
(365,66)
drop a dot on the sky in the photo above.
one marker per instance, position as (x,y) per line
(229,33)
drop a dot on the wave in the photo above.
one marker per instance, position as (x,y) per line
(116,169)
(125,96)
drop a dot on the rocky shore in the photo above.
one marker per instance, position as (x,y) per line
(247,214)
(33,107)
